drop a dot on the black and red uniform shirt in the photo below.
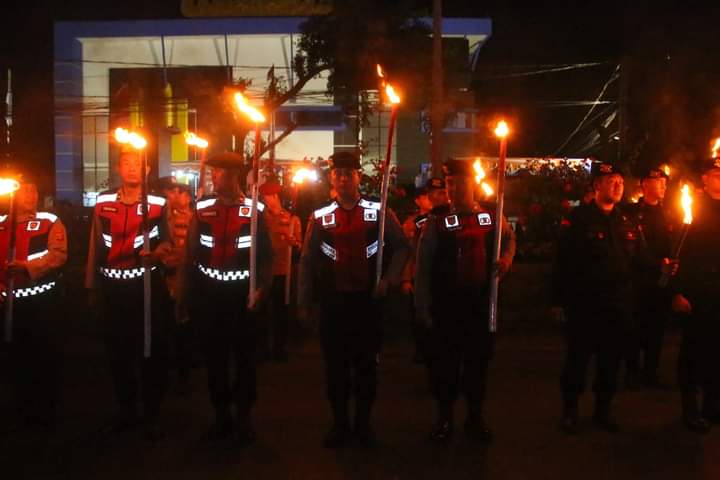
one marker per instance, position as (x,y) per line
(464,249)
(32,237)
(224,244)
(122,236)
(348,242)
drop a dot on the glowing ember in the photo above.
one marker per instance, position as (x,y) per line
(502,129)
(195,141)
(252,112)
(715,147)
(303,175)
(127,137)
(479,172)
(686,202)
(8,186)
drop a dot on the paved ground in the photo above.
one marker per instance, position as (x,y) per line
(291,419)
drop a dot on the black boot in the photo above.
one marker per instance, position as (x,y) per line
(692,419)
(223,427)
(444,428)
(363,431)
(339,434)
(602,417)
(570,423)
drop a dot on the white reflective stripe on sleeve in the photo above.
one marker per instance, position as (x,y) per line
(371,249)
(155,232)
(207,241)
(205,203)
(328,250)
(248,203)
(107,239)
(35,256)
(107,197)
(155,200)
(46,216)
(3,218)
(368,204)
(325,210)
(244,242)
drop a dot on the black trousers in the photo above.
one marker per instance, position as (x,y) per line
(648,331)
(229,337)
(278,314)
(699,357)
(123,317)
(351,338)
(35,356)
(595,330)
(460,348)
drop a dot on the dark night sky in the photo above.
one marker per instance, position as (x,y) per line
(682,87)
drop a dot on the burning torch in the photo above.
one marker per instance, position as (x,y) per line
(394,100)
(501,131)
(256,117)
(8,186)
(301,176)
(138,142)
(686,204)
(201,144)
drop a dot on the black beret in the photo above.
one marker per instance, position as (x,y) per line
(344,160)
(435,184)
(458,167)
(227,160)
(653,172)
(601,169)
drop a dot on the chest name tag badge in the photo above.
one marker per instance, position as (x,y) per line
(244,211)
(209,213)
(328,221)
(33,226)
(370,215)
(109,209)
(484,219)
(452,222)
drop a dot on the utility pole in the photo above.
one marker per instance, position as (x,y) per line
(436,109)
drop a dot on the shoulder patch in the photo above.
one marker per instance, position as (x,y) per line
(370,215)
(328,221)
(484,219)
(452,222)
(33,226)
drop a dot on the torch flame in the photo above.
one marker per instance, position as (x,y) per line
(487,189)
(304,174)
(252,112)
(666,169)
(380,71)
(479,172)
(8,186)
(130,138)
(195,141)
(715,147)
(502,130)
(392,96)
(686,202)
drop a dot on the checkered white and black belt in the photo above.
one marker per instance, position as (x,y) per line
(123,273)
(31,291)
(224,275)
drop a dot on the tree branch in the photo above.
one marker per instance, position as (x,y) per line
(295,89)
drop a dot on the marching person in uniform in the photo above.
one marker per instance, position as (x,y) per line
(180,214)
(652,302)
(592,287)
(114,277)
(697,288)
(452,286)
(430,199)
(215,289)
(285,233)
(338,268)
(40,254)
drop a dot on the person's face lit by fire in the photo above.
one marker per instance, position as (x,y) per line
(609,189)
(130,167)
(423,203)
(654,190)
(438,197)
(345,181)
(226,182)
(460,190)
(711,181)
(26,198)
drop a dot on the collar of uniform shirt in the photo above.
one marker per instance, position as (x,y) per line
(128,198)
